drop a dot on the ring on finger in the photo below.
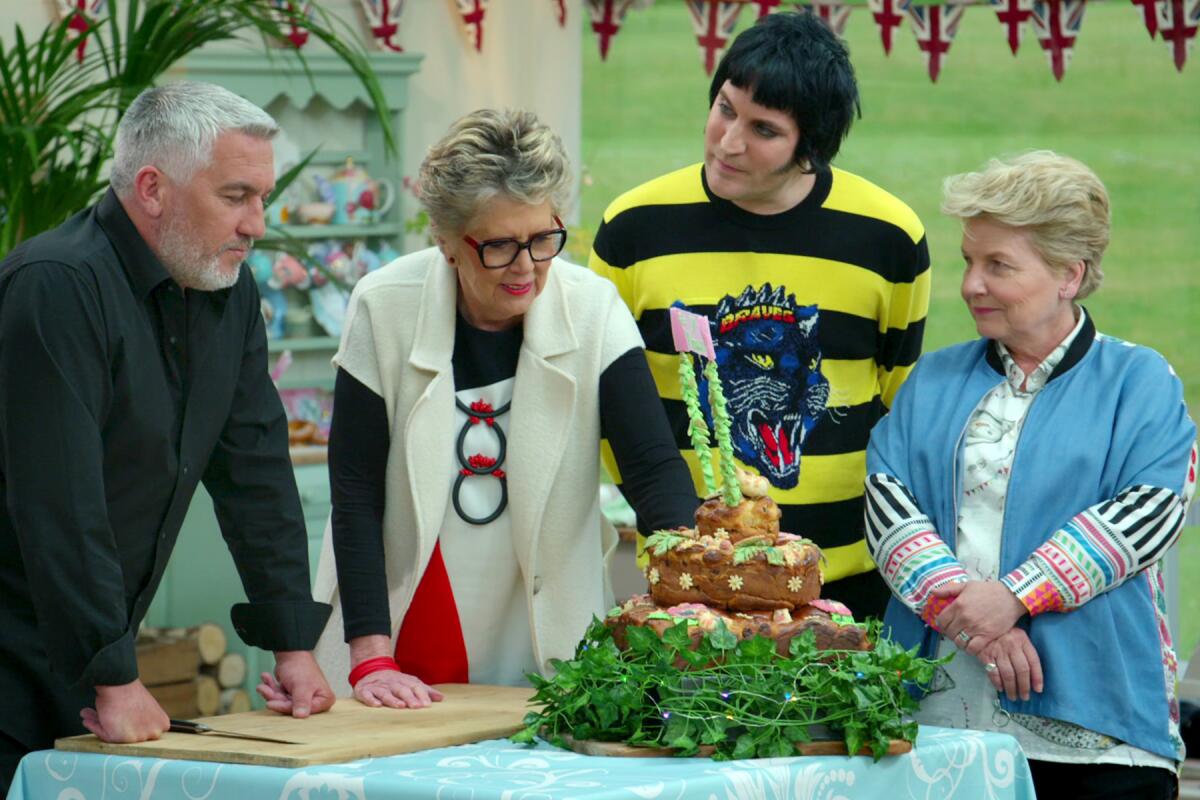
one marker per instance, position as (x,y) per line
(963,637)
(990,667)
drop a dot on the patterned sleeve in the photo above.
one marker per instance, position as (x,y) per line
(913,559)
(1102,547)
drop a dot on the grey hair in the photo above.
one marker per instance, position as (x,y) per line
(487,153)
(1059,200)
(174,127)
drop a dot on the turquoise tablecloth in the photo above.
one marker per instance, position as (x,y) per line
(944,764)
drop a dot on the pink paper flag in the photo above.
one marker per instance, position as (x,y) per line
(691,333)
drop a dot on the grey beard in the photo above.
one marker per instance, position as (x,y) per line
(187,263)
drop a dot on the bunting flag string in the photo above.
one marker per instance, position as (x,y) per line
(472,13)
(560,12)
(1057,23)
(297,34)
(607,16)
(1178,21)
(766,6)
(888,14)
(834,14)
(1149,15)
(1013,14)
(80,16)
(384,17)
(714,21)
(934,27)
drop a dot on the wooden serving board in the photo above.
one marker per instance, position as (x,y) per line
(348,731)
(830,747)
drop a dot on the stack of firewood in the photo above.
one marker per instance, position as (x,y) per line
(189,671)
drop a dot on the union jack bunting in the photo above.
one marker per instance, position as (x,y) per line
(714,21)
(1178,21)
(1013,14)
(1057,23)
(765,6)
(384,16)
(1149,15)
(560,11)
(607,16)
(473,12)
(888,14)
(80,16)
(833,14)
(934,27)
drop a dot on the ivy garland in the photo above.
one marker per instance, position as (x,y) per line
(740,696)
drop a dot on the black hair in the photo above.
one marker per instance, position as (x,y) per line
(793,62)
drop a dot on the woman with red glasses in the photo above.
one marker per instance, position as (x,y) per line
(475,382)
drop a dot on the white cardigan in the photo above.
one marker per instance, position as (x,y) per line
(398,340)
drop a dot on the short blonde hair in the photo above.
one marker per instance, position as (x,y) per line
(1061,202)
(487,153)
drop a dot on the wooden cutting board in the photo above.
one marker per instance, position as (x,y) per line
(348,731)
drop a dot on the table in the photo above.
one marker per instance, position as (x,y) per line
(944,764)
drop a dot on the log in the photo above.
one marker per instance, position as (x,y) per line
(230,671)
(168,661)
(208,695)
(177,699)
(234,701)
(210,638)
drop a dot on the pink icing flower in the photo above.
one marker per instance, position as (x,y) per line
(687,609)
(831,607)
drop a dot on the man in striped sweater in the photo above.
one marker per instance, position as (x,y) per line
(815,280)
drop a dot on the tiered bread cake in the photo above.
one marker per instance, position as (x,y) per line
(736,566)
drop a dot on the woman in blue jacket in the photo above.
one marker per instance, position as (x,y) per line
(1023,490)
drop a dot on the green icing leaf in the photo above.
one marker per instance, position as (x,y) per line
(662,542)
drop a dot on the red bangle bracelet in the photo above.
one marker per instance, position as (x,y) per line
(365,668)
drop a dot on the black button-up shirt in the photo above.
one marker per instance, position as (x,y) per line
(119,392)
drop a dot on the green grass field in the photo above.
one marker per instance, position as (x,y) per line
(1121,108)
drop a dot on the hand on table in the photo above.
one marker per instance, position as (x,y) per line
(1018,667)
(301,688)
(125,713)
(395,690)
(982,610)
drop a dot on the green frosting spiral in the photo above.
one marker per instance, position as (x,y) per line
(697,427)
(730,486)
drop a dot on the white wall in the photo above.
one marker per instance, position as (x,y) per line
(527,61)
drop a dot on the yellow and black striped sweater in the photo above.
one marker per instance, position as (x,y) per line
(818,315)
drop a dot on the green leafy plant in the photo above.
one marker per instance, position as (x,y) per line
(58,116)
(740,697)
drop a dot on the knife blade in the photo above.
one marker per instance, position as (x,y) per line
(187,726)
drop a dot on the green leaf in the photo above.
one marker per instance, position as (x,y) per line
(676,637)
(524,736)
(722,638)
(685,744)
(758,649)
(746,747)
(641,640)
(853,736)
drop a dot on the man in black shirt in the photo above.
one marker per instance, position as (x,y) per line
(133,365)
